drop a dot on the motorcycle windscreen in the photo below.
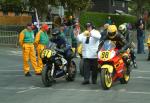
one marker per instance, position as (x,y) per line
(108,45)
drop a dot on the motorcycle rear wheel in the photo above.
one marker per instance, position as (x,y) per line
(46,77)
(106,79)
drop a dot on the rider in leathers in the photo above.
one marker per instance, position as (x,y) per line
(118,39)
(125,32)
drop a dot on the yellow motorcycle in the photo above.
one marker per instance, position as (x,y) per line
(79,50)
(148,44)
(55,66)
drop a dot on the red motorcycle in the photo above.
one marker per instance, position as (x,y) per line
(112,66)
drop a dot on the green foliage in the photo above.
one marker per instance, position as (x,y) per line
(99,19)
(12,2)
(139,6)
(75,6)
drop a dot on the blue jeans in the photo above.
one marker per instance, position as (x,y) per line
(140,41)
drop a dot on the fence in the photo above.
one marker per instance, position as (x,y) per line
(9,38)
(17,28)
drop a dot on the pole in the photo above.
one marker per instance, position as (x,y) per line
(37,19)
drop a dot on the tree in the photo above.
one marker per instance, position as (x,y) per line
(139,6)
(41,6)
(76,6)
(73,6)
(11,5)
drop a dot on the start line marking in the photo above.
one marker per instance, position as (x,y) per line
(28,89)
(84,90)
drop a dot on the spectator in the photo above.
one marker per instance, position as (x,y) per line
(140,36)
(90,40)
(26,39)
(109,21)
(41,40)
(62,31)
(104,32)
(76,28)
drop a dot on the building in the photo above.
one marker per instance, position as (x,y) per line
(110,6)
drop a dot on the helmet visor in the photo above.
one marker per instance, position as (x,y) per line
(111,34)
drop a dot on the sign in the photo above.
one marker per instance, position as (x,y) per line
(58,10)
(40,23)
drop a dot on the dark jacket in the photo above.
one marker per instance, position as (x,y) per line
(59,41)
(119,40)
(103,34)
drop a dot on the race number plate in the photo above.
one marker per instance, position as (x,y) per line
(105,55)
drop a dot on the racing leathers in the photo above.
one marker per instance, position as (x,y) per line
(128,38)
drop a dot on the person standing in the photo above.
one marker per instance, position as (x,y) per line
(76,28)
(41,40)
(104,32)
(109,20)
(90,40)
(140,36)
(62,31)
(26,40)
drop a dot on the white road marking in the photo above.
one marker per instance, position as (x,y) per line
(11,70)
(140,77)
(145,93)
(13,88)
(29,89)
(86,90)
(13,52)
(10,67)
(141,71)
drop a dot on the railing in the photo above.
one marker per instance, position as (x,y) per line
(9,38)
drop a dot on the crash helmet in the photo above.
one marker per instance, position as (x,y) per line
(122,28)
(112,31)
(55,32)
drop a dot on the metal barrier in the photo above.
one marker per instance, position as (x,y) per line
(9,38)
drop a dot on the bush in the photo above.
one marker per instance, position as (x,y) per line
(99,19)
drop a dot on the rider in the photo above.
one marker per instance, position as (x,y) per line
(118,39)
(126,33)
(62,46)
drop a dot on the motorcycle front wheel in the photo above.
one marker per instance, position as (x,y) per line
(106,79)
(72,72)
(46,77)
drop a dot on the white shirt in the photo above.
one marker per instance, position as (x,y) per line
(90,50)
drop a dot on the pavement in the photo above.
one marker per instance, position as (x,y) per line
(16,88)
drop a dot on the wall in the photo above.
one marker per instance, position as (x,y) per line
(15,20)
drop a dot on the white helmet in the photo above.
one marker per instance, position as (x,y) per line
(122,28)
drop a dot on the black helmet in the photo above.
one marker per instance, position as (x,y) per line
(89,24)
(55,32)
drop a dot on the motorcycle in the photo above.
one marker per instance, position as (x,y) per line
(79,50)
(112,66)
(55,66)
